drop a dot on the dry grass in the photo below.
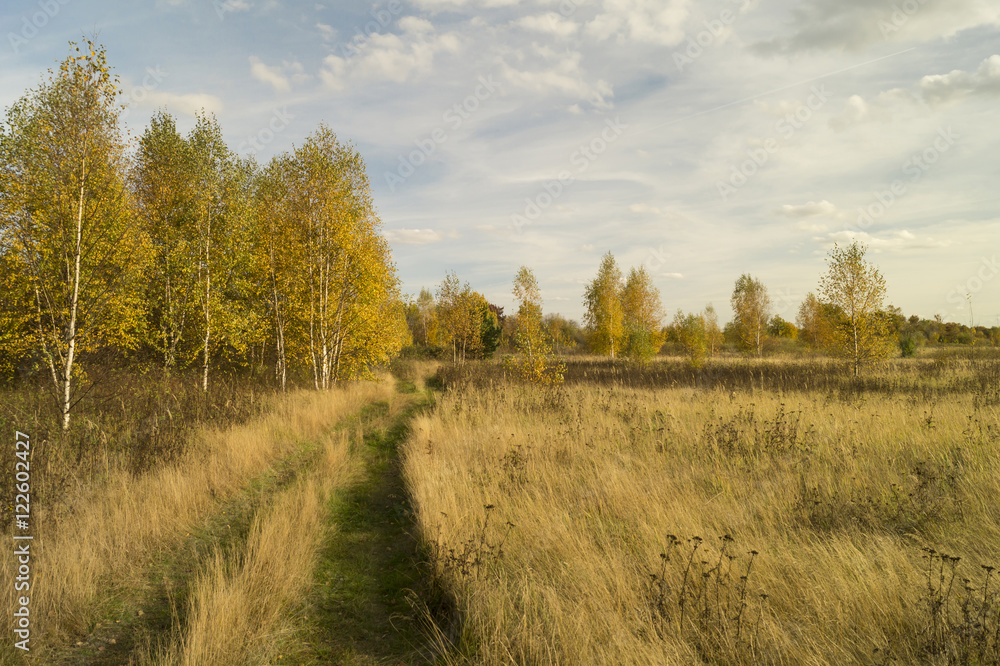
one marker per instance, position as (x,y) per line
(608,488)
(97,546)
(241,609)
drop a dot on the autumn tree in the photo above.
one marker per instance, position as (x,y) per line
(534,363)
(279,254)
(425,324)
(564,333)
(16,307)
(164,194)
(448,312)
(642,315)
(461,317)
(813,322)
(856,288)
(491,328)
(751,312)
(713,334)
(472,308)
(691,335)
(69,219)
(604,316)
(242,287)
(777,327)
(211,164)
(352,311)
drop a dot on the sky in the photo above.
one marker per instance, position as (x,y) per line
(702,140)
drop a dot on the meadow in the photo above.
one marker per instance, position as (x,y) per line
(775,511)
(781,512)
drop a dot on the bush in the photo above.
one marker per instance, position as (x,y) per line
(639,346)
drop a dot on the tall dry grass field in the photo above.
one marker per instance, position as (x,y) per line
(94,550)
(241,608)
(609,525)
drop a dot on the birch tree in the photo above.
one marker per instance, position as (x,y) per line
(165,200)
(460,311)
(70,221)
(856,289)
(751,312)
(642,313)
(604,316)
(535,363)
(16,307)
(692,336)
(211,166)
(354,315)
(713,334)
(277,245)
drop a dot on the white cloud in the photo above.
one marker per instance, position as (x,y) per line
(855,111)
(652,21)
(564,76)
(644,208)
(900,240)
(934,89)
(883,108)
(416,236)
(415,25)
(189,104)
(391,57)
(333,72)
(549,23)
(272,76)
(440,5)
(326,31)
(939,88)
(812,227)
(810,209)
(854,25)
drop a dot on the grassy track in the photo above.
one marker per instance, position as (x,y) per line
(362,582)
(355,567)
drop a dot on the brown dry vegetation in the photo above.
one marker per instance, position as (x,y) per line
(241,608)
(95,548)
(612,523)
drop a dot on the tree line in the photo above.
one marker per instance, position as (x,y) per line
(179,252)
(846,317)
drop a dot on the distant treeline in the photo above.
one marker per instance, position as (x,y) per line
(624,316)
